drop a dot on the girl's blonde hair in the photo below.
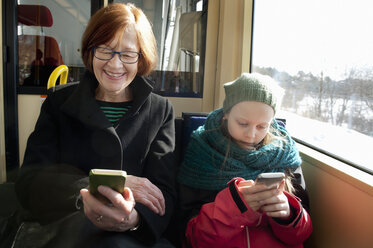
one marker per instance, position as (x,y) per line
(273,136)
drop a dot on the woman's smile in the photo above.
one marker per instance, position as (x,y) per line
(114,75)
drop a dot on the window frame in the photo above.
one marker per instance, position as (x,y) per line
(10,78)
(299,140)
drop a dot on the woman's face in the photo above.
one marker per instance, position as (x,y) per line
(248,123)
(113,75)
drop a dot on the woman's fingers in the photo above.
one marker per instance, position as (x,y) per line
(142,190)
(146,193)
(128,195)
(114,216)
(156,197)
(118,200)
(91,206)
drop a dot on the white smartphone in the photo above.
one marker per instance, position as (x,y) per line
(270,179)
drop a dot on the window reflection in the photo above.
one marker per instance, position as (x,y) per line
(180,30)
(46,38)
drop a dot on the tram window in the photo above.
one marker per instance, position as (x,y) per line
(49,34)
(321,53)
(180,30)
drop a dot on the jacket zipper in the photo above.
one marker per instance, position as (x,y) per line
(120,142)
(17,234)
(247,236)
(121,151)
(247,231)
(114,132)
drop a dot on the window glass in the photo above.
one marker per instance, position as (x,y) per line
(49,34)
(321,53)
(179,27)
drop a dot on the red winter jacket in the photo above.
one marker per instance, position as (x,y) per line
(229,222)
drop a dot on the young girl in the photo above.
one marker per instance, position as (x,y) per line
(220,204)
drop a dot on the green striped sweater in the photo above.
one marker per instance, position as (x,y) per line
(114,111)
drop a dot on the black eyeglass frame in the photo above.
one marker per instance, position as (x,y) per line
(115,52)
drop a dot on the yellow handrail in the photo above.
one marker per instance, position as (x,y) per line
(62,70)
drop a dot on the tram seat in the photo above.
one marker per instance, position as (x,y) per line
(39,54)
(184,126)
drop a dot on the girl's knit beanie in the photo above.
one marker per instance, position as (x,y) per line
(252,87)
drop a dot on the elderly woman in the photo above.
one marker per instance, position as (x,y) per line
(110,120)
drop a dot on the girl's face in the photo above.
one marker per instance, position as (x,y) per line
(248,123)
(113,75)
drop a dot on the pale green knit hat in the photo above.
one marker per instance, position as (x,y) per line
(252,87)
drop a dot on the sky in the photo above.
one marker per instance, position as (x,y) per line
(332,36)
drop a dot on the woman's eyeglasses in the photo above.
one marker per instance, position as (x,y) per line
(127,57)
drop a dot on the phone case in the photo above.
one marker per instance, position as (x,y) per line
(114,179)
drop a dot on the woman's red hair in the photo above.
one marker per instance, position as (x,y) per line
(111,21)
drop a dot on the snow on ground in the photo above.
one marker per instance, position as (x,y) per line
(343,142)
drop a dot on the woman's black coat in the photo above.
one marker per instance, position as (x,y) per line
(72,136)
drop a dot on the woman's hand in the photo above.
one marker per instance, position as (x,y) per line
(272,202)
(146,193)
(118,215)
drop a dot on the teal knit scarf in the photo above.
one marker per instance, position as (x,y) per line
(207,165)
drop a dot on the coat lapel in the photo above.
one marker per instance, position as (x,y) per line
(82,103)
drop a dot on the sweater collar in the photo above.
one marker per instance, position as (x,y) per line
(82,104)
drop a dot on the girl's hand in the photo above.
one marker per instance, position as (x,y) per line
(254,194)
(278,205)
(272,202)
(119,215)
